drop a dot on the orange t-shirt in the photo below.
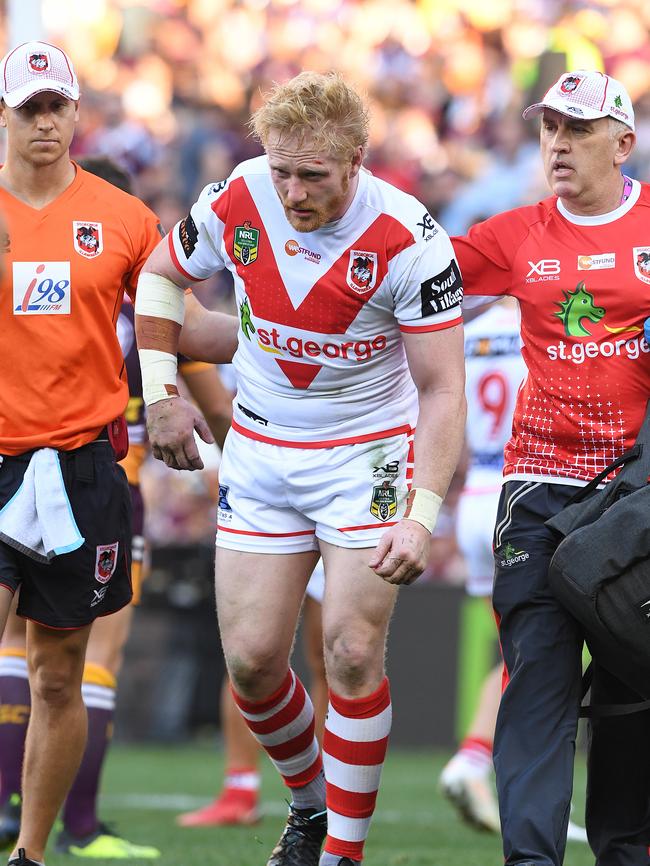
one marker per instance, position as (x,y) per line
(67,267)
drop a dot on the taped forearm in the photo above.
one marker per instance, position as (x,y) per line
(423,505)
(159,308)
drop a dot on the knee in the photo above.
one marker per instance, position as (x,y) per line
(56,687)
(255,671)
(353,659)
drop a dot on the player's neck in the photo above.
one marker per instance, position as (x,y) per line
(37,186)
(605,199)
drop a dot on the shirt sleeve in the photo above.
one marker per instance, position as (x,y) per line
(145,235)
(427,284)
(485,256)
(195,242)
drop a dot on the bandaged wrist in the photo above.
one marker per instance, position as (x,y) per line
(423,505)
(158,296)
(158,375)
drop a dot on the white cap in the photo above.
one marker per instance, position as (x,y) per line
(588,95)
(34,67)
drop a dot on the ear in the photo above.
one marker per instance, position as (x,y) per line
(357,161)
(3,113)
(624,147)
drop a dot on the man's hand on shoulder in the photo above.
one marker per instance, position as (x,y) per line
(402,553)
(171,424)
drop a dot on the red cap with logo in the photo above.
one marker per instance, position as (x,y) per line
(34,67)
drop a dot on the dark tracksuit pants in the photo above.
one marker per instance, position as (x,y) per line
(534,743)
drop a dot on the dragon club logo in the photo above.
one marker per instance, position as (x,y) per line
(509,555)
(570,84)
(362,271)
(642,263)
(576,308)
(38,62)
(88,240)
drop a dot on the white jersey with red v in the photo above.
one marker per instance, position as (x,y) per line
(320,358)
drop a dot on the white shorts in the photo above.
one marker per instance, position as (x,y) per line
(477,513)
(316,585)
(277,499)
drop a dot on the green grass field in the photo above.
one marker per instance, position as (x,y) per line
(144,788)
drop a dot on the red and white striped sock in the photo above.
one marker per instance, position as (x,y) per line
(284,725)
(477,755)
(354,747)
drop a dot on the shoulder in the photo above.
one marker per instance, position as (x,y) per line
(403,215)
(217,193)
(122,205)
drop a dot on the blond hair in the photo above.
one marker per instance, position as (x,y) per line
(321,106)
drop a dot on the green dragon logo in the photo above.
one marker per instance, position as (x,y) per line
(508,551)
(575,307)
(245,319)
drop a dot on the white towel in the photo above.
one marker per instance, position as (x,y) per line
(38,519)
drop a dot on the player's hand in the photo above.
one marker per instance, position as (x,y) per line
(171,424)
(402,553)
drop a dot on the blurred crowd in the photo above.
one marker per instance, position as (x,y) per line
(168,86)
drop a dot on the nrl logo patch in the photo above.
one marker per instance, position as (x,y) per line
(362,271)
(245,244)
(642,263)
(106,561)
(383,505)
(88,239)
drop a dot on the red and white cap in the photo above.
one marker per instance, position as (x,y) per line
(34,67)
(588,95)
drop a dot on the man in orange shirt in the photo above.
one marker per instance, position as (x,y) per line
(75,244)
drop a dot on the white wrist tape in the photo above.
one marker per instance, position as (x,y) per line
(160,297)
(423,506)
(158,375)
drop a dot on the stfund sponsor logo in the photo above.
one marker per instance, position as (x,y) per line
(293,248)
(597,262)
(41,288)
(509,556)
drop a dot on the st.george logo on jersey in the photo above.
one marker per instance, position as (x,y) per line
(245,243)
(88,241)
(362,271)
(642,263)
(41,288)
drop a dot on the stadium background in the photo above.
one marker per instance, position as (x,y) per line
(167,86)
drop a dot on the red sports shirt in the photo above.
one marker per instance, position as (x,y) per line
(583,285)
(67,266)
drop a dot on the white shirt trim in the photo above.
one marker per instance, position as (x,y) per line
(604,218)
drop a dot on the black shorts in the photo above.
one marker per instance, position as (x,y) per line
(75,588)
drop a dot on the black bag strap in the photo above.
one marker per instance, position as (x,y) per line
(632,453)
(602,711)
